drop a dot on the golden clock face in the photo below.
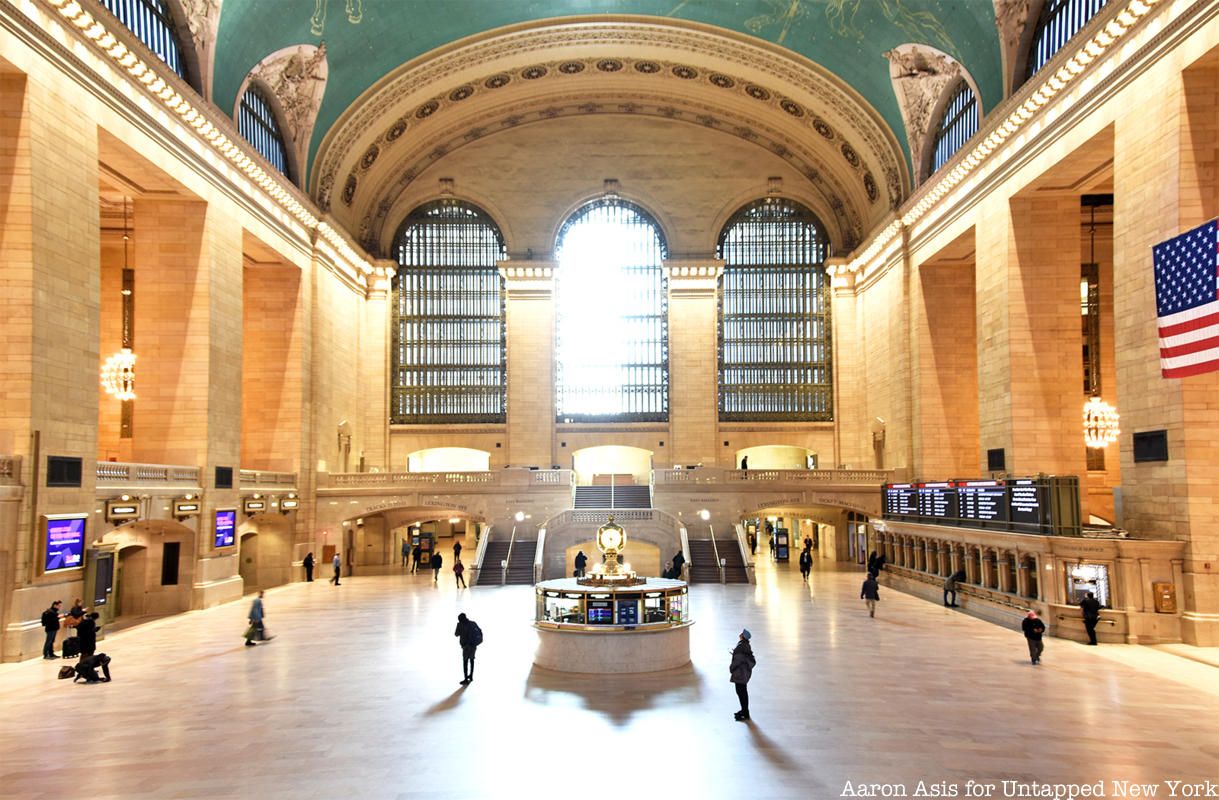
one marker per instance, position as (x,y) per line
(611,539)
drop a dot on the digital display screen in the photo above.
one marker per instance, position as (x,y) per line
(65,544)
(226,527)
(937,501)
(983,501)
(600,612)
(901,500)
(1027,503)
(628,612)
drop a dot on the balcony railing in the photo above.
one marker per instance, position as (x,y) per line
(718,475)
(559,478)
(120,474)
(258,477)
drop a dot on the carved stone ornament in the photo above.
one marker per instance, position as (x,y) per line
(202,22)
(297,77)
(920,76)
(1011,19)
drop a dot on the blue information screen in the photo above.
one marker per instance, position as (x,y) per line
(65,544)
(226,527)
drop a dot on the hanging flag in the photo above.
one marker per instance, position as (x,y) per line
(1187,307)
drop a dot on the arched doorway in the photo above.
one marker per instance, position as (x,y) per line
(154,569)
(264,558)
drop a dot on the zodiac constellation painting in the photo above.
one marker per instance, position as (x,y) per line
(317,23)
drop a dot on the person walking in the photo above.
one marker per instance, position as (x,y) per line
(1033,629)
(753,543)
(255,616)
(581,563)
(808,542)
(86,631)
(806,563)
(870,594)
(1090,607)
(679,560)
(457,549)
(469,636)
(459,571)
(308,565)
(437,562)
(740,670)
(406,551)
(745,462)
(50,623)
(416,557)
(950,588)
(337,563)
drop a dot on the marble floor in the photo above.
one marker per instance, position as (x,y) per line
(358,697)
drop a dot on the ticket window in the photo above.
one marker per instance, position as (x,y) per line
(564,609)
(654,608)
(1084,578)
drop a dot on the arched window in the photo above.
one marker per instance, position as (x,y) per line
(612,328)
(774,315)
(959,122)
(448,318)
(1059,21)
(257,124)
(151,21)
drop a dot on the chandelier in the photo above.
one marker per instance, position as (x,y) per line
(118,372)
(1100,423)
(118,375)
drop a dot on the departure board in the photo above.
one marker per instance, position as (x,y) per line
(1045,505)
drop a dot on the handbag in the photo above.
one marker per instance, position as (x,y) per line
(250,631)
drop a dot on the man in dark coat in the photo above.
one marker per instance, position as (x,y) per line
(581,562)
(416,557)
(950,588)
(87,669)
(678,560)
(50,623)
(1033,629)
(1090,606)
(469,636)
(870,593)
(437,562)
(806,562)
(740,670)
(308,565)
(86,631)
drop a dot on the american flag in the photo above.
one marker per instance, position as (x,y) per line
(1187,282)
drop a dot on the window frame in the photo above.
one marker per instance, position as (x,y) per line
(467,313)
(181,58)
(961,108)
(267,122)
(818,316)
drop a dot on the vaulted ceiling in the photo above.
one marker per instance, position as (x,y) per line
(367,39)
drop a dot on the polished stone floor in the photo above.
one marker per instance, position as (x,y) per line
(358,697)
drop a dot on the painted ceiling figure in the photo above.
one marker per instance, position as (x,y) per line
(317,23)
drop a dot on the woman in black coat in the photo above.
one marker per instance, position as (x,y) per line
(308,565)
(87,632)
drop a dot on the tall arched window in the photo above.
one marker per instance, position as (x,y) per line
(448,319)
(959,122)
(612,326)
(258,126)
(151,21)
(1059,21)
(774,315)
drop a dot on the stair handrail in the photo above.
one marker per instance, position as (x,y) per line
(503,573)
(719,565)
(480,552)
(742,540)
(612,477)
(685,551)
(537,556)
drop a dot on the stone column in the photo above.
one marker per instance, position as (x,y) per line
(1022,576)
(693,361)
(854,445)
(531,373)
(1002,561)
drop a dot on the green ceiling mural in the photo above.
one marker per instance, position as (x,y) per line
(366,39)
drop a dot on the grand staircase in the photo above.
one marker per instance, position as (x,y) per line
(704,568)
(520,563)
(629,496)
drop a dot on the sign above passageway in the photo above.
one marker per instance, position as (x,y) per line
(1045,505)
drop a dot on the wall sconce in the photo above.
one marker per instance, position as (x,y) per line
(122,508)
(186,507)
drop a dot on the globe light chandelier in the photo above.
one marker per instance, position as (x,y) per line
(1100,423)
(118,371)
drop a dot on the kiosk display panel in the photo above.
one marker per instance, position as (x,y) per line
(226,527)
(65,542)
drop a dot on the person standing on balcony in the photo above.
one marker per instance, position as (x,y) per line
(745,462)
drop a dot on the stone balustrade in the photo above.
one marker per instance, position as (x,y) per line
(121,475)
(256,478)
(491,478)
(715,475)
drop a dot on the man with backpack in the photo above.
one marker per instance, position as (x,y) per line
(469,636)
(50,623)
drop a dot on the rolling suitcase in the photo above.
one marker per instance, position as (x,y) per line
(71,647)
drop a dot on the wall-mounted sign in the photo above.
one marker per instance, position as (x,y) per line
(64,537)
(186,508)
(226,527)
(123,508)
(253,506)
(289,504)
(1044,505)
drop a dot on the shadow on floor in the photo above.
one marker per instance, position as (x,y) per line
(617,697)
(447,704)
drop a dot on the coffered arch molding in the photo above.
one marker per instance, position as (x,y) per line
(706,66)
(830,188)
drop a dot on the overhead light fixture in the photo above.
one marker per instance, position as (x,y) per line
(1100,423)
(118,371)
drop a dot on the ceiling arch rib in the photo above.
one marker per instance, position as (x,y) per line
(735,83)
